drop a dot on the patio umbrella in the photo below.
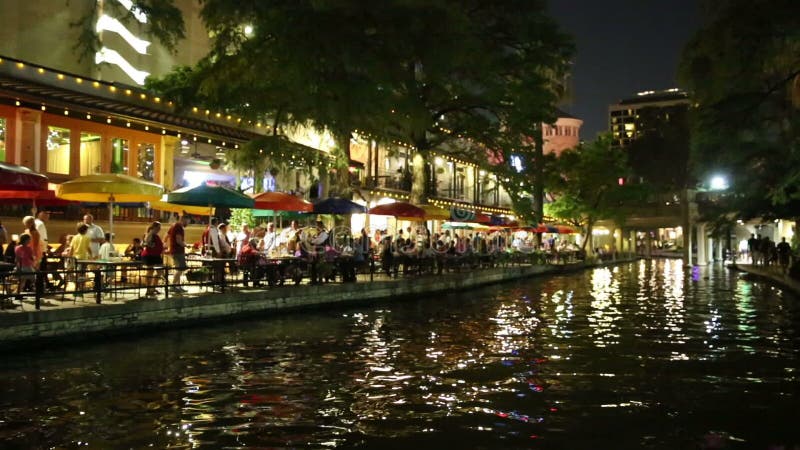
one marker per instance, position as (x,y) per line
(463,226)
(398,209)
(208,196)
(20,178)
(282,214)
(431,213)
(165,205)
(335,205)
(280,201)
(110,188)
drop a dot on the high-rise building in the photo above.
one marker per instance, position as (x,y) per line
(625,118)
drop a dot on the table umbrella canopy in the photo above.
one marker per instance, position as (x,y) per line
(398,209)
(281,201)
(291,215)
(21,178)
(335,205)
(165,205)
(431,213)
(110,187)
(465,215)
(207,195)
(463,226)
(37,198)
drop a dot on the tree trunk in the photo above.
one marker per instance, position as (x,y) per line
(341,180)
(538,180)
(419,194)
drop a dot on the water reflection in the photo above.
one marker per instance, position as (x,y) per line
(646,355)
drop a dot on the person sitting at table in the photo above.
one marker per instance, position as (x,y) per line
(225,250)
(152,255)
(134,252)
(269,241)
(80,249)
(250,259)
(8,255)
(107,250)
(24,260)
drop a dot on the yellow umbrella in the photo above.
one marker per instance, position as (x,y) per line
(110,188)
(431,213)
(164,205)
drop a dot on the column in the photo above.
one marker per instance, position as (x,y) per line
(29,152)
(710,252)
(648,251)
(687,246)
(632,241)
(702,244)
(718,250)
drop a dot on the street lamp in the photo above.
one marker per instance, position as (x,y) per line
(718,183)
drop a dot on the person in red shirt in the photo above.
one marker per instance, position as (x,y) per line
(24,259)
(152,255)
(176,247)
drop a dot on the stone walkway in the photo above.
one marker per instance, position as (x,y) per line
(774,273)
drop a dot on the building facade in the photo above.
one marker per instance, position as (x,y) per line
(625,117)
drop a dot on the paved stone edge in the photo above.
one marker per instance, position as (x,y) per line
(781,280)
(36,327)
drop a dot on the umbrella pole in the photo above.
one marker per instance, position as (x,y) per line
(111,214)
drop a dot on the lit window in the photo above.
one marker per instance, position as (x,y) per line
(58,150)
(146,162)
(2,139)
(90,154)
(119,156)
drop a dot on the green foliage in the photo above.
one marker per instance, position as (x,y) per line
(742,71)
(586,188)
(490,72)
(241,216)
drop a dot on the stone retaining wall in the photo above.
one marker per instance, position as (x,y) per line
(33,327)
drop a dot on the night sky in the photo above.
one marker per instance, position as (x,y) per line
(624,47)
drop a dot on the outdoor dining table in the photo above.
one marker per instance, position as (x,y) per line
(279,266)
(217,266)
(105,266)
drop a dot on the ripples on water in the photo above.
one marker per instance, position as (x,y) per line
(645,355)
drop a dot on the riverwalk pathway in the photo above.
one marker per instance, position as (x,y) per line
(774,274)
(87,320)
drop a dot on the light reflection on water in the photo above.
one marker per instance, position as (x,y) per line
(645,355)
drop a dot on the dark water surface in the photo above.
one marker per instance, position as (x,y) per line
(644,355)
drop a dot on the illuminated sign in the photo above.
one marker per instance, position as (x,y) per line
(111,56)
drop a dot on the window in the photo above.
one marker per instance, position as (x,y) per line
(119,156)
(58,150)
(90,154)
(146,168)
(2,139)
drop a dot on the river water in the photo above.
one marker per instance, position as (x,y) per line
(642,355)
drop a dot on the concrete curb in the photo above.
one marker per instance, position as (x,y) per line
(32,328)
(776,278)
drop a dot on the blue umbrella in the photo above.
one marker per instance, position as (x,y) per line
(335,205)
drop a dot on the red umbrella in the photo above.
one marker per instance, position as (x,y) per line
(20,178)
(398,209)
(279,201)
(38,198)
(482,218)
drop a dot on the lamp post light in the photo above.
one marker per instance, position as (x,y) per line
(718,183)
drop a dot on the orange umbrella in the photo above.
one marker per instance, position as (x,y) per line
(280,201)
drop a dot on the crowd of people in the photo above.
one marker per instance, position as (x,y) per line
(764,251)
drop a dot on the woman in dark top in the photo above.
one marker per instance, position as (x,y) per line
(152,256)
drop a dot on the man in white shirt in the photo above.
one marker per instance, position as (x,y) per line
(270,240)
(94,233)
(40,220)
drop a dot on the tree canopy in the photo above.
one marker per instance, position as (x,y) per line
(423,72)
(742,70)
(585,184)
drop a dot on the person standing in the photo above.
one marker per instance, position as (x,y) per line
(152,255)
(243,237)
(211,238)
(94,233)
(176,247)
(30,229)
(3,235)
(784,254)
(80,249)
(24,261)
